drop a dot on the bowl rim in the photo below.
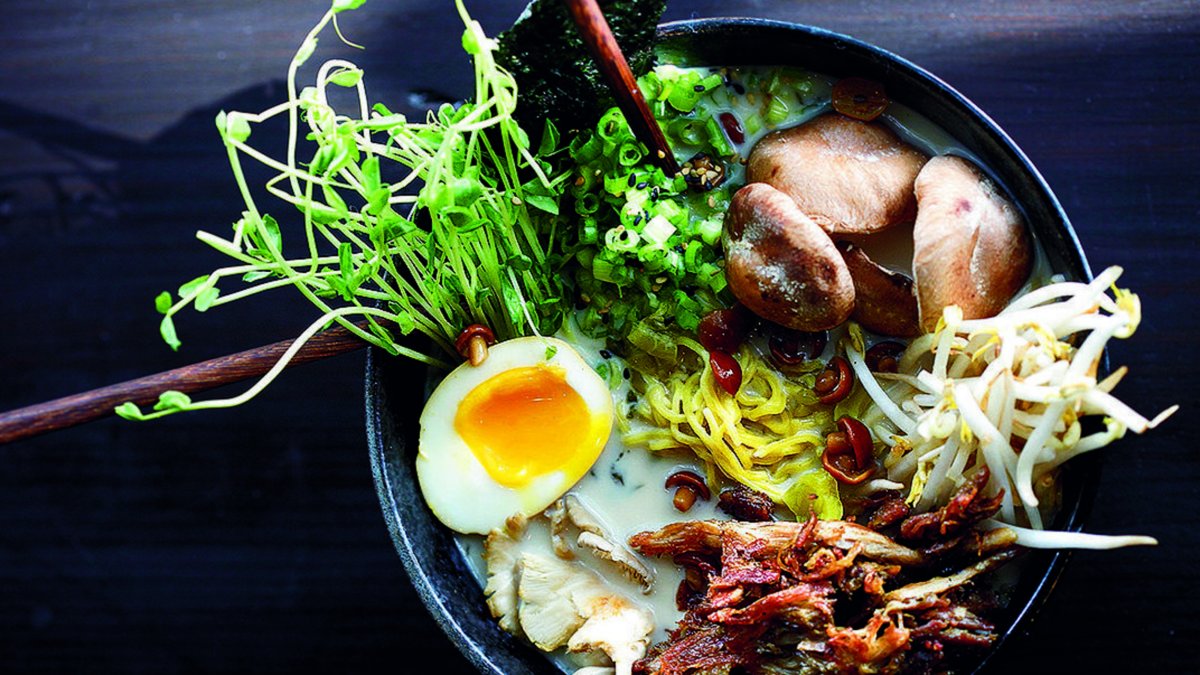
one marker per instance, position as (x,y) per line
(1072,515)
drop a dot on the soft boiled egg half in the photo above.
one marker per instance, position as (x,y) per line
(512,434)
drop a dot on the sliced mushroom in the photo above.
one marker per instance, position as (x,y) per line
(581,516)
(782,266)
(884,301)
(559,526)
(848,176)
(501,553)
(970,246)
(550,591)
(563,603)
(616,628)
(596,539)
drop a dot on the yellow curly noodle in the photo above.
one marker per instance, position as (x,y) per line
(769,437)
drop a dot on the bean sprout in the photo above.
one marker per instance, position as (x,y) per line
(1009,392)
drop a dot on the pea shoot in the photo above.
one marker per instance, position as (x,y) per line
(417,226)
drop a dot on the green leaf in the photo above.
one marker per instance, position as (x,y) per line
(404,322)
(370,174)
(466,191)
(520,137)
(473,225)
(550,139)
(162,303)
(347,77)
(381,333)
(256,275)
(335,201)
(306,50)
(377,200)
(129,411)
(167,329)
(512,304)
(206,298)
(551,350)
(547,204)
(191,286)
(270,228)
(346,269)
(336,287)
(237,127)
(470,43)
(340,6)
(345,260)
(172,400)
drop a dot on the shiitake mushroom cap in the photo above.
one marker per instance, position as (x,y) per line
(848,176)
(970,245)
(781,265)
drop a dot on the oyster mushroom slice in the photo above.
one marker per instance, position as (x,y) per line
(970,245)
(884,301)
(562,603)
(559,526)
(780,265)
(848,176)
(595,538)
(502,553)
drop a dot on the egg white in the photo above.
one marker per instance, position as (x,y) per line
(455,483)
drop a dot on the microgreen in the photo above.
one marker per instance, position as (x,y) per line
(420,226)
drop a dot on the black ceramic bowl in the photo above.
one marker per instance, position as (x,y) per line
(395,388)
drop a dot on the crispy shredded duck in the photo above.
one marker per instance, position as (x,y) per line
(827,596)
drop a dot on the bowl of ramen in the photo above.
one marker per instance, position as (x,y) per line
(813,405)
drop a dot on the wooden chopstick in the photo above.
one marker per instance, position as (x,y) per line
(598,36)
(97,403)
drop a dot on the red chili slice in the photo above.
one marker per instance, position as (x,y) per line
(727,371)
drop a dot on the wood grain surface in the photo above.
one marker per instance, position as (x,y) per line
(250,539)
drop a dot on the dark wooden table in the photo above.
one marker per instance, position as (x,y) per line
(251,539)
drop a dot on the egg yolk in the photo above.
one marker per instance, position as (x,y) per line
(526,422)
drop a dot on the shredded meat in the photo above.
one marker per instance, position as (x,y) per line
(888,513)
(967,507)
(766,597)
(705,536)
(805,604)
(742,503)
